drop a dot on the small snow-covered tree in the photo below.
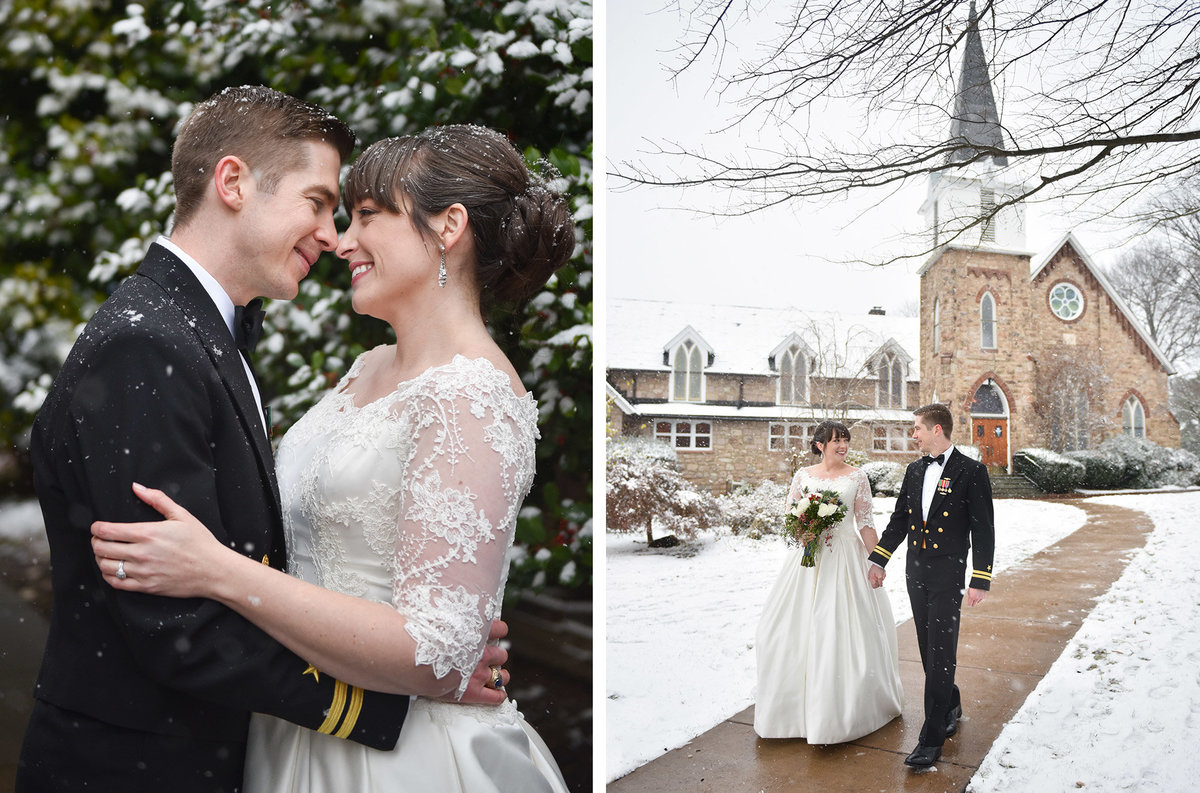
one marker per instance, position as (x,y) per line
(643,486)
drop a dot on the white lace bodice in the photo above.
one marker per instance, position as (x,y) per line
(853,488)
(412,500)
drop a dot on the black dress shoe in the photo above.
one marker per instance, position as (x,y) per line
(923,756)
(952,720)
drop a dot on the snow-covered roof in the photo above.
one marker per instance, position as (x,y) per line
(743,338)
(1109,290)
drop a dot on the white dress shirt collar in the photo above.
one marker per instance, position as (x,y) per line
(213,287)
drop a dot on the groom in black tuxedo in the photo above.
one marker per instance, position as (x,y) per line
(143,693)
(944,508)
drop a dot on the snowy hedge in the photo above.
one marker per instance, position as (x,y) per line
(1103,470)
(754,511)
(885,477)
(1146,464)
(1051,471)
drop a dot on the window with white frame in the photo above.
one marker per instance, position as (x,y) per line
(685,433)
(987,322)
(890,438)
(987,215)
(1133,418)
(793,377)
(889,388)
(688,373)
(785,435)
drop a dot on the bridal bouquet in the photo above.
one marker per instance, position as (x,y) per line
(811,518)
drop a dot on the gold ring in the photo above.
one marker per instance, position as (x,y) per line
(497,680)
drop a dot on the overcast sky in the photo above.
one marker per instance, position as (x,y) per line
(783,256)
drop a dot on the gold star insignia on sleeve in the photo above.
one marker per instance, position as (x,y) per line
(312,670)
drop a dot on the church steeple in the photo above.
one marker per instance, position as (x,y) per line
(975,122)
(973,200)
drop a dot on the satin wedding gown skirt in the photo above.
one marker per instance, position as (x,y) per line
(412,500)
(828,663)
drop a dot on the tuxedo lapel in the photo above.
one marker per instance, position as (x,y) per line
(204,319)
(950,472)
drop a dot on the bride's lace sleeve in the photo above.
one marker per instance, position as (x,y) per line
(862,502)
(795,490)
(470,468)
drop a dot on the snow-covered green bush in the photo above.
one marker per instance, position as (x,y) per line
(1148,465)
(1050,471)
(754,511)
(1103,469)
(885,476)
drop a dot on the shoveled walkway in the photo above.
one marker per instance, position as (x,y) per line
(1006,645)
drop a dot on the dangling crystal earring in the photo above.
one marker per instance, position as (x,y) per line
(442,269)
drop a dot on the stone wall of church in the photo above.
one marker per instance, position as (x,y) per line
(1101,334)
(1029,335)
(954,368)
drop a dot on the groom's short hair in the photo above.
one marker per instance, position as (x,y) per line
(262,126)
(935,414)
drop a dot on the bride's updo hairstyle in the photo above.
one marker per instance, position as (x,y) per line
(828,431)
(522,228)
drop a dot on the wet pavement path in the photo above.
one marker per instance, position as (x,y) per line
(1006,646)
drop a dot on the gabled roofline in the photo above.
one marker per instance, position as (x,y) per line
(623,404)
(1109,290)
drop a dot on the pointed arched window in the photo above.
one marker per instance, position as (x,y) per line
(793,377)
(1133,418)
(889,390)
(987,322)
(688,371)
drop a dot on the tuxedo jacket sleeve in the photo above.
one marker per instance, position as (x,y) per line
(154,392)
(960,518)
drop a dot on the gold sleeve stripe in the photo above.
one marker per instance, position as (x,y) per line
(335,708)
(356,701)
(981,574)
(879,549)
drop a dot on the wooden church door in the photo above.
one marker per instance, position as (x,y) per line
(992,441)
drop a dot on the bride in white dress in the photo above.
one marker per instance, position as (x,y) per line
(828,664)
(401,487)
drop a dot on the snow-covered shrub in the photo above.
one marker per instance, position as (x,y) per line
(643,487)
(754,511)
(1148,465)
(885,476)
(1103,469)
(856,458)
(1051,471)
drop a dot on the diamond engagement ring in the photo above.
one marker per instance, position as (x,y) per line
(121,570)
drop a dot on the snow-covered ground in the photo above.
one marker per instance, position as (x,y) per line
(680,652)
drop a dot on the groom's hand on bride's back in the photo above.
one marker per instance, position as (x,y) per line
(480,690)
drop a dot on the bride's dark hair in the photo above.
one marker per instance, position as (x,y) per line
(828,431)
(522,228)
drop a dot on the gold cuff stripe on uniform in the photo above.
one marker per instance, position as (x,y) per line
(879,549)
(981,574)
(356,701)
(335,708)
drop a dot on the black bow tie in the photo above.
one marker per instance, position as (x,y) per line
(940,460)
(247,325)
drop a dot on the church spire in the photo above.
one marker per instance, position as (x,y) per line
(975,122)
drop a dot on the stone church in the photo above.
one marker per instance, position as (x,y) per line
(1027,350)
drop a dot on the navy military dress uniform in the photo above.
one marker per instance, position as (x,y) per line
(960,522)
(145,693)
